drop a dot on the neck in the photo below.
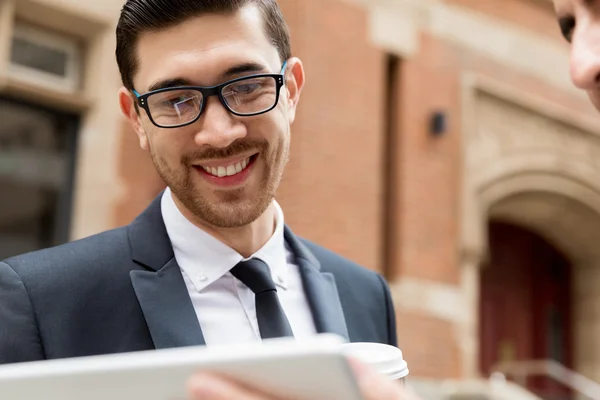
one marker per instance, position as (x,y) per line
(246,240)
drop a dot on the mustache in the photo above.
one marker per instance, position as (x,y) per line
(237,147)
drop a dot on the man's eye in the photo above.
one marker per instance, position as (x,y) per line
(567,25)
(245,88)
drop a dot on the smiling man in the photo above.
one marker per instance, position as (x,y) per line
(211,89)
(215,112)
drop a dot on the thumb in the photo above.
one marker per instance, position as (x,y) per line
(374,386)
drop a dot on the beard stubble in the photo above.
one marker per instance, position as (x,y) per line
(234,207)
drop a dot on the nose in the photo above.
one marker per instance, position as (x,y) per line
(218,127)
(585,58)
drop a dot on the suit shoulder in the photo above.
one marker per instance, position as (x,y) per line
(338,265)
(364,294)
(83,252)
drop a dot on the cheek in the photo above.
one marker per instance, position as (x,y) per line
(166,144)
(594,95)
(165,152)
(270,127)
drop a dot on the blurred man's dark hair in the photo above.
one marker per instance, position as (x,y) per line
(140,16)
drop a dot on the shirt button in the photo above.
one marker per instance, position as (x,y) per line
(280,279)
(202,278)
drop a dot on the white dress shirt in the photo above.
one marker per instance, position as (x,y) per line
(225,306)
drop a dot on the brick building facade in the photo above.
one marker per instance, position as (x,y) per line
(422,121)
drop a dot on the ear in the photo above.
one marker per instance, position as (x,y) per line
(294,82)
(130,111)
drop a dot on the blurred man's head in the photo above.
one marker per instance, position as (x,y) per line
(222,151)
(580,25)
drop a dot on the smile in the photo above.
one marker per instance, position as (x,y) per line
(221,171)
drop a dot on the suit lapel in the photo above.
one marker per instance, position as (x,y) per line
(160,288)
(163,295)
(320,288)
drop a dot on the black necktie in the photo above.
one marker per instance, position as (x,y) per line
(272,322)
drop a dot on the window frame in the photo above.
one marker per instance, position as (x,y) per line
(46,38)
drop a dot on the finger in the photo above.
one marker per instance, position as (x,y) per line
(373,386)
(212,387)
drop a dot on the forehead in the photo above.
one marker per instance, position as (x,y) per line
(560,5)
(200,49)
(567,5)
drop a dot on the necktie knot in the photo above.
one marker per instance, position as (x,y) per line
(255,274)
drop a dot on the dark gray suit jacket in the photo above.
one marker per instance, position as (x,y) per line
(122,291)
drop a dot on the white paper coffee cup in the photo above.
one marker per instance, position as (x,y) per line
(385,359)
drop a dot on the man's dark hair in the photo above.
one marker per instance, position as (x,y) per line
(139,16)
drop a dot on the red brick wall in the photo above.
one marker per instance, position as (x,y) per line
(535,15)
(429,171)
(333,185)
(427,186)
(429,345)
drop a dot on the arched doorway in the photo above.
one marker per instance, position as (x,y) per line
(525,304)
(536,166)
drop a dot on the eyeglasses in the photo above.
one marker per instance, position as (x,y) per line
(181,106)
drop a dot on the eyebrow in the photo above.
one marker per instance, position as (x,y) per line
(248,67)
(169,83)
(245,68)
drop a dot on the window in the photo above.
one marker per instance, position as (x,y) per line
(44,58)
(37,157)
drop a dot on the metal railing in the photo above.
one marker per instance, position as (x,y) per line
(519,371)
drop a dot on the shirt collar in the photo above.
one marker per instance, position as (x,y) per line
(205,259)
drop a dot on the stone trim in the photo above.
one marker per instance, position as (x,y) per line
(71,20)
(454,304)
(396,26)
(434,299)
(7,10)
(478,187)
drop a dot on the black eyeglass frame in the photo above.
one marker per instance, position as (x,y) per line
(142,100)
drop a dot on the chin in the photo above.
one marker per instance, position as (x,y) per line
(228,212)
(230,216)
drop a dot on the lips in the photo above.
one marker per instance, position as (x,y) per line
(227,173)
(227,170)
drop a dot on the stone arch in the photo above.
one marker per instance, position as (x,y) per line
(532,164)
(559,204)
(563,207)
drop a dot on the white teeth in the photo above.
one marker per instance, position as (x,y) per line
(230,170)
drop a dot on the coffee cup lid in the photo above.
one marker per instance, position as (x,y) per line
(387,360)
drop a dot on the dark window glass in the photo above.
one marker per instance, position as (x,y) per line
(37,153)
(36,56)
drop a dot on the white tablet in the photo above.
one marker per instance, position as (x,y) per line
(313,369)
